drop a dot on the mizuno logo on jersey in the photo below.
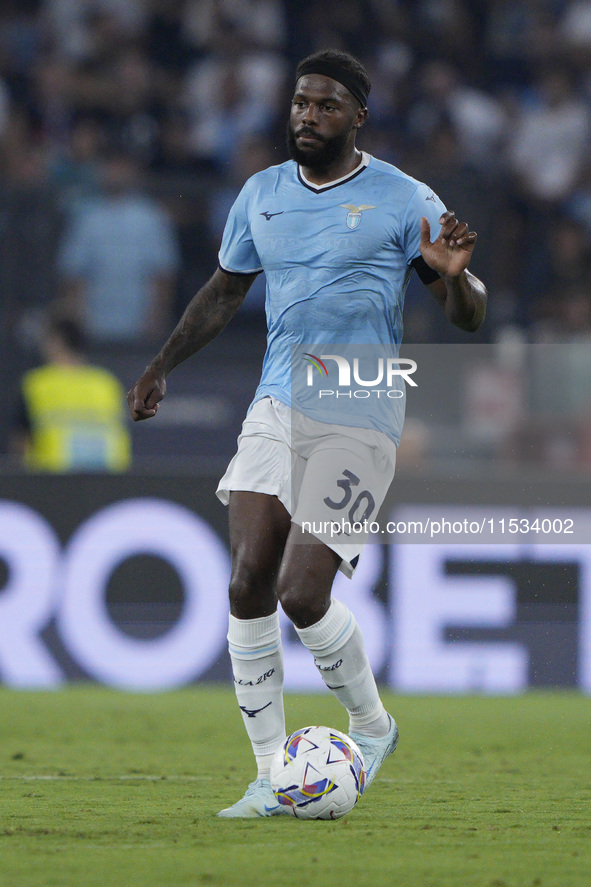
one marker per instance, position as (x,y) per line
(269,215)
(354,214)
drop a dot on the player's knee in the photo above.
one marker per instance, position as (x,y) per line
(302,608)
(251,594)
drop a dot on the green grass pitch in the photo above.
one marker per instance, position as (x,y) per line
(105,788)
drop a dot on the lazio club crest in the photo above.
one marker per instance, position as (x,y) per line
(354,214)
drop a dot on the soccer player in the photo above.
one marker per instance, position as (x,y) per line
(337,233)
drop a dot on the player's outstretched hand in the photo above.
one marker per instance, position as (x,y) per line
(145,395)
(451,252)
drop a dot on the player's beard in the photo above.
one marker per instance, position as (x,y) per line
(327,151)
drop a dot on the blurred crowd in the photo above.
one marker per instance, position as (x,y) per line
(128,126)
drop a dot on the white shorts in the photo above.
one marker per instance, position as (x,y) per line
(332,479)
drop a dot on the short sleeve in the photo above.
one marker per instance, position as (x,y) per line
(238,253)
(424,202)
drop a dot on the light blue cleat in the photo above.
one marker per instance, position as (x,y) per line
(258,800)
(375,751)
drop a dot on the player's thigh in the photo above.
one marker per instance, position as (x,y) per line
(259,527)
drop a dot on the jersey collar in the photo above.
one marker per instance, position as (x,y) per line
(365,158)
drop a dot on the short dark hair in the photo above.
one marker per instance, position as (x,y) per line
(69,331)
(344,60)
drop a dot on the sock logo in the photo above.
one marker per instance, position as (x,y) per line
(332,667)
(254,683)
(253,712)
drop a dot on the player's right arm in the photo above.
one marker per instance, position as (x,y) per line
(206,315)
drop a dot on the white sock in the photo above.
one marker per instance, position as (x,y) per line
(257,664)
(337,645)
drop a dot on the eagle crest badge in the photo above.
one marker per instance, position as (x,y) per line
(354,214)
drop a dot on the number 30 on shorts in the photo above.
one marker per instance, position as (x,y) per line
(346,483)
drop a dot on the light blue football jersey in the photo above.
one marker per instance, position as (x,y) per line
(337,263)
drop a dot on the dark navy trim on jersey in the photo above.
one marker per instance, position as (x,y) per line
(426,274)
(320,189)
(240,273)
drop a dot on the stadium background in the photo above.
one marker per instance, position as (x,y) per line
(490,103)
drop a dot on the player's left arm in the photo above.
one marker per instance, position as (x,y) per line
(462,296)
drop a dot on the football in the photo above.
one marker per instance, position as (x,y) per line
(318,773)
